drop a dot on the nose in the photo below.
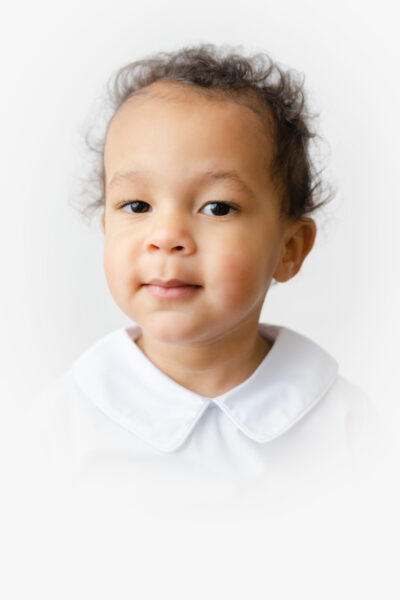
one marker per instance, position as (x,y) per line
(172,236)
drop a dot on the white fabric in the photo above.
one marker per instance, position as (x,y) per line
(295,414)
(131,486)
(287,384)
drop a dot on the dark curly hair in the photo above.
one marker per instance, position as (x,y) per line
(275,94)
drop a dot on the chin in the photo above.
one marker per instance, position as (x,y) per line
(169,329)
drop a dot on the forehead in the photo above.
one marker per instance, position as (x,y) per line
(179,92)
(175,125)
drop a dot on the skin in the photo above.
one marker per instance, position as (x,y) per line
(208,343)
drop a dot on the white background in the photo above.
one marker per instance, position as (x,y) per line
(56,60)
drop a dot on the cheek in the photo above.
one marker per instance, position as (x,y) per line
(242,274)
(110,264)
(117,265)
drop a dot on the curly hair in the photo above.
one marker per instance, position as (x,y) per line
(276,95)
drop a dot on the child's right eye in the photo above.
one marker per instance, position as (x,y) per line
(137,206)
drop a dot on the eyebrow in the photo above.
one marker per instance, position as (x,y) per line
(209,175)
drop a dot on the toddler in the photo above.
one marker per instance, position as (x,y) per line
(207,187)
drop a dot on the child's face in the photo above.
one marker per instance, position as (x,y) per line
(177,232)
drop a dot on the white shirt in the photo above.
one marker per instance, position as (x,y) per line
(295,417)
(153,490)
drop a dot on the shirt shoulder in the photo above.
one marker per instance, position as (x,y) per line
(363,426)
(356,400)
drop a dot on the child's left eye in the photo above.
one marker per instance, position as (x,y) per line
(220,209)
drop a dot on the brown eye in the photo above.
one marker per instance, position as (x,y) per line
(220,209)
(137,206)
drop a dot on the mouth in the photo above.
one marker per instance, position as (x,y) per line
(173,289)
(171,283)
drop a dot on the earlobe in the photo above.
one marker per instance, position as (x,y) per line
(299,241)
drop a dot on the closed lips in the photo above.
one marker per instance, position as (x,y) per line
(170,283)
(172,290)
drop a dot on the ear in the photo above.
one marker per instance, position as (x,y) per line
(103,221)
(299,240)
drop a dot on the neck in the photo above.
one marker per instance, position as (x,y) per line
(208,369)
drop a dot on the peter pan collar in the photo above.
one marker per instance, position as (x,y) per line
(127,387)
